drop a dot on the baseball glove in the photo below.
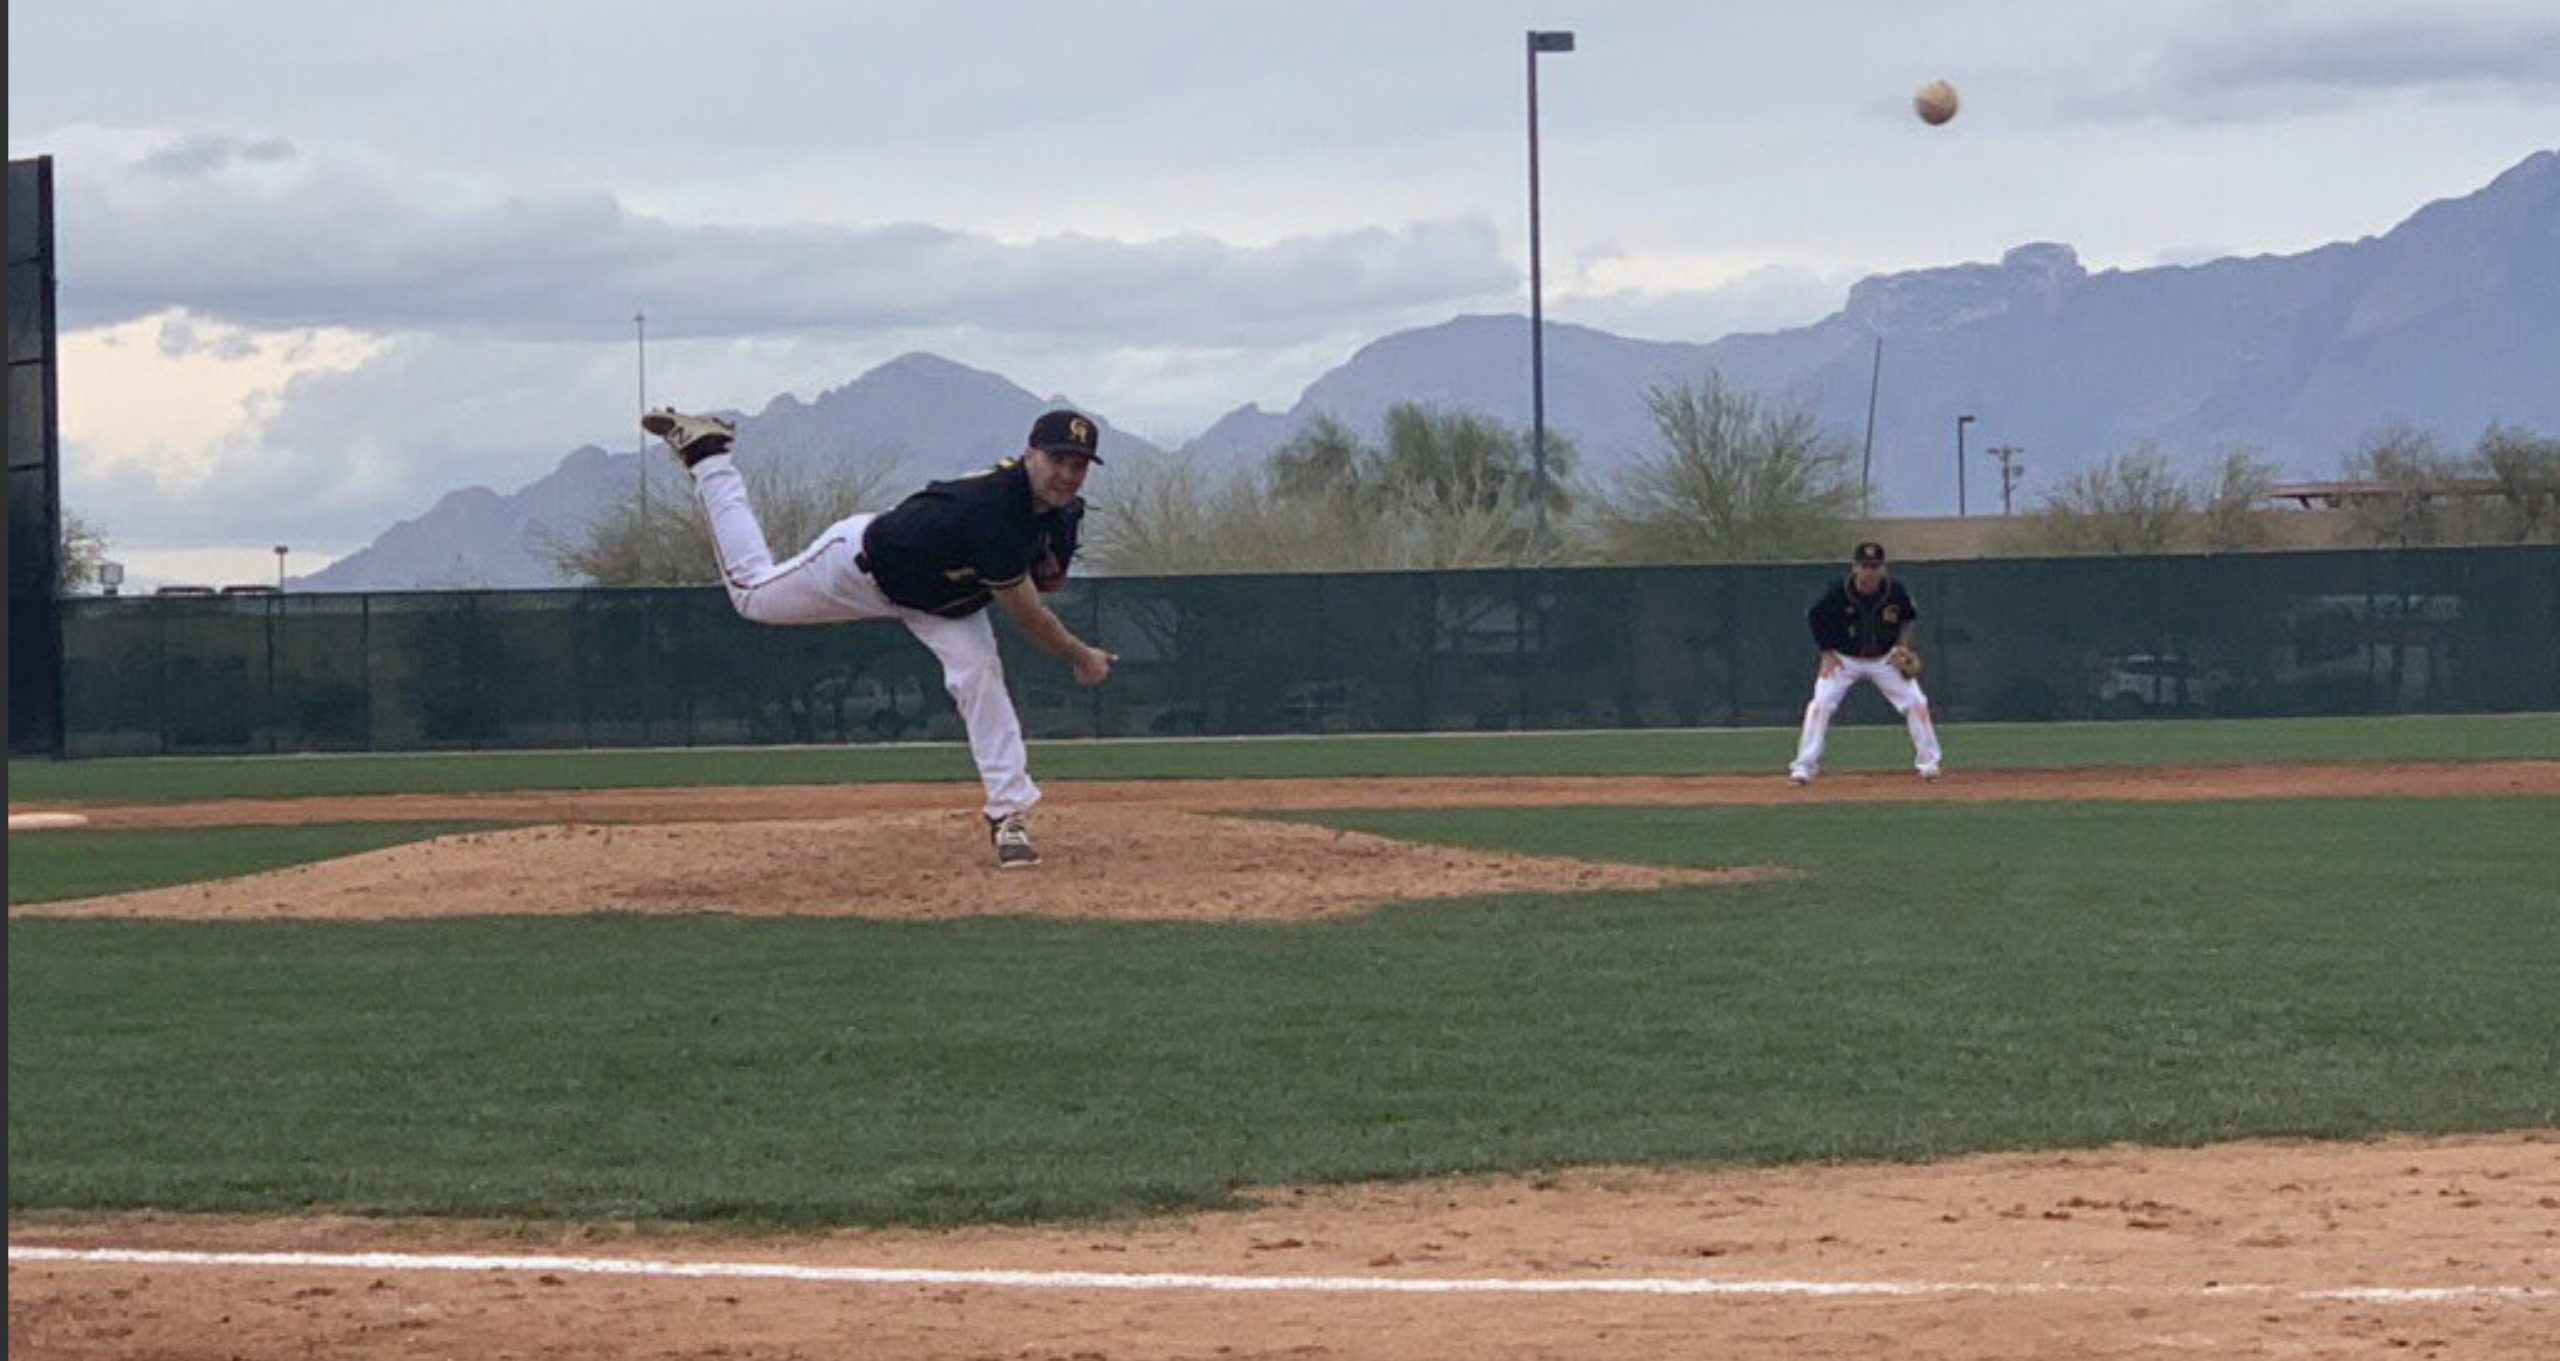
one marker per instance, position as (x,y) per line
(1905,661)
(1048,574)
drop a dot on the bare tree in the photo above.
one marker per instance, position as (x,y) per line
(2410,506)
(2524,468)
(663,540)
(1445,489)
(1170,518)
(1730,481)
(1458,461)
(1156,520)
(2228,518)
(2127,504)
(1455,489)
(83,550)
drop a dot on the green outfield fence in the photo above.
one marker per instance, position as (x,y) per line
(2415,631)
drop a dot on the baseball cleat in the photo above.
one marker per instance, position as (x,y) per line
(694,438)
(1928,772)
(1799,778)
(1012,837)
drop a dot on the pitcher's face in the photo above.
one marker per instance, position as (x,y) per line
(1056,478)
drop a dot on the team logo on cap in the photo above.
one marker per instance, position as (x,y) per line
(1080,430)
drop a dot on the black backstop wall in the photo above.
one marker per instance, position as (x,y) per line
(35,468)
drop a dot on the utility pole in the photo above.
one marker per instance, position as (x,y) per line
(2011,470)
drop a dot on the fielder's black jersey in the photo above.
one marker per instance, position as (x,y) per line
(946,549)
(1854,624)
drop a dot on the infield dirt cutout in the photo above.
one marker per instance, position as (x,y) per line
(1101,862)
(2399,1247)
(1153,849)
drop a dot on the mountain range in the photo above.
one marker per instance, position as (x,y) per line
(919,413)
(2447,323)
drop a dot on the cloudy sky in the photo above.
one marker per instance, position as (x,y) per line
(322,262)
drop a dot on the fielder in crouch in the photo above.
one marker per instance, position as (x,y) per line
(933,563)
(1863,626)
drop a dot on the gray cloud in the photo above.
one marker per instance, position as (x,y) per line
(196,155)
(256,236)
(1772,297)
(2266,65)
(2380,54)
(179,338)
(339,454)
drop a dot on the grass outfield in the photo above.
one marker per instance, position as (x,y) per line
(1682,751)
(50,866)
(1943,980)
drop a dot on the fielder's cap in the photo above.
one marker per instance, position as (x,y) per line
(1870,551)
(1067,432)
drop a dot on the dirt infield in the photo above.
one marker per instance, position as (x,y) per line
(2141,784)
(1121,863)
(1125,850)
(2396,1248)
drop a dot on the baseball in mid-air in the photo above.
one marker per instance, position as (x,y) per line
(1935,102)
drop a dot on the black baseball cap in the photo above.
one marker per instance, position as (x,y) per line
(1067,432)
(1870,551)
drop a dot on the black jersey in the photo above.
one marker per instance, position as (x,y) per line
(946,549)
(1860,625)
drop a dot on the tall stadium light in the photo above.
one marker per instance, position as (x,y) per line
(640,334)
(1867,459)
(1539,41)
(281,550)
(1961,423)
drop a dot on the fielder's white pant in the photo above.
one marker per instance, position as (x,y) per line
(1903,692)
(822,586)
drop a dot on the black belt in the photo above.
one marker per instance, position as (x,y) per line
(862,556)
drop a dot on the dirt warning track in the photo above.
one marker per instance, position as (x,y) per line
(2430,1248)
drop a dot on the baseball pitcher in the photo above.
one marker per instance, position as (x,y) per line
(1863,626)
(933,563)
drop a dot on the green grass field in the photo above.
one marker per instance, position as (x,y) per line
(1942,979)
(1855,747)
(83,863)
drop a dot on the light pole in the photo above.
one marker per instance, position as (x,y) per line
(1867,460)
(1539,41)
(1961,423)
(640,335)
(281,550)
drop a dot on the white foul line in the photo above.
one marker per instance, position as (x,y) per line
(1103,1280)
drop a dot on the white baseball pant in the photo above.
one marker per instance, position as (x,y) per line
(822,586)
(1904,694)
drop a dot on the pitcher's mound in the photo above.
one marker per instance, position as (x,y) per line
(1102,861)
